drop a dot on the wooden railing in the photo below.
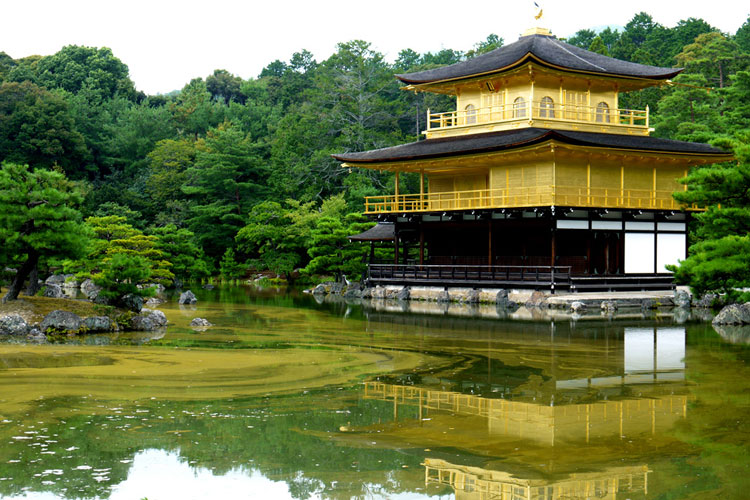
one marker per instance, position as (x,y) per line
(538,111)
(572,196)
(546,276)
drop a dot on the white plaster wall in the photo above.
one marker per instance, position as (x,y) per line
(639,253)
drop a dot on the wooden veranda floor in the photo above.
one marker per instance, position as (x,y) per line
(531,277)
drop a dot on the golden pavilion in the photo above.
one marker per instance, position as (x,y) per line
(538,178)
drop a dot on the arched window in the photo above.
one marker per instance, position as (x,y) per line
(519,108)
(547,108)
(602,112)
(471,114)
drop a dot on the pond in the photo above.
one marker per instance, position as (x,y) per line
(288,398)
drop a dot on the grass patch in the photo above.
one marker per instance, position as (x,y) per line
(34,309)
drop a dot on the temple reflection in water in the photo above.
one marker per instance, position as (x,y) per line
(546,422)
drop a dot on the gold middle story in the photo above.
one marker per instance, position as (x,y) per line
(548,174)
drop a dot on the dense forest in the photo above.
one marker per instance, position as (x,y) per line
(227,175)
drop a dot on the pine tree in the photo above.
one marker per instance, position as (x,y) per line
(39,220)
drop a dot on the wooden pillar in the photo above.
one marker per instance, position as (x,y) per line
(421,243)
(421,190)
(397,205)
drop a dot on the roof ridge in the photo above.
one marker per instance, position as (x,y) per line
(562,46)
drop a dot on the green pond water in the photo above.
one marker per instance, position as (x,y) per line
(288,398)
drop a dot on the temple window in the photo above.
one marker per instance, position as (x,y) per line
(471,114)
(519,108)
(547,107)
(602,112)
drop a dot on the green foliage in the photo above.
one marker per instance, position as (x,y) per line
(742,37)
(687,110)
(224,86)
(718,260)
(229,267)
(122,273)
(180,249)
(597,45)
(713,55)
(74,68)
(39,220)
(278,236)
(226,180)
(168,164)
(332,253)
(583,38)
(37,129)
(115,236)
(492,42)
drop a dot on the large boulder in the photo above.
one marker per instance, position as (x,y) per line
(97,324)
(577,307)
(53,291)
(13,324)
(733,314)
(471,297)
(131,302)
(148,320)
(608,306)
(61,322)
(154,301)
(200,322)
(71,281)
(55,279)
(537,299)
(90,289)
(404,293)
(187,297)
(682,299)
(707,301)
(502,300)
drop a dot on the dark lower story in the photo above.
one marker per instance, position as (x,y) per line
(561,247)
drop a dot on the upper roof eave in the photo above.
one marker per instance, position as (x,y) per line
(545,49)
(513,139)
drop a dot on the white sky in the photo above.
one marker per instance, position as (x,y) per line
(165,43)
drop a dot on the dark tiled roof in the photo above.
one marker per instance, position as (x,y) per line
(510,139)
(379,232)
(547,49)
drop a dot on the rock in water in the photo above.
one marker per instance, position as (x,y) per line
(200,322)
(154,301)
(187,297)
(733,314)
(404,293)
(13,324)
(537,299)
(61,322)
(608,306)
(472,297)
(578,307)
(682,299)
(148,320)
(97,324)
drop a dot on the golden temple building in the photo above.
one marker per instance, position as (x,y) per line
(538,178)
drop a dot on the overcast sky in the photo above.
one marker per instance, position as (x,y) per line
(167,43)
